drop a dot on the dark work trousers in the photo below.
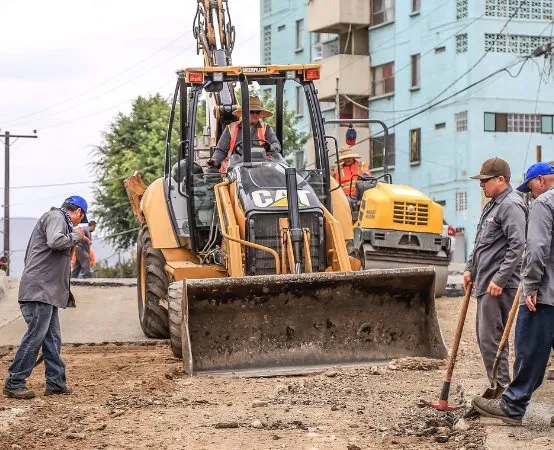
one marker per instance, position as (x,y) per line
(82,264)
(43,332)
(492,315)
(534,341)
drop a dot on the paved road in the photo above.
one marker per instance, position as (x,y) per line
(103,314)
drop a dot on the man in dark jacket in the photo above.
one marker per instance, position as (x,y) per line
(495,262)
(43,289)
(534,336)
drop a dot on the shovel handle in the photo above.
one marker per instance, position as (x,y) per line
(510,322)
(458,335)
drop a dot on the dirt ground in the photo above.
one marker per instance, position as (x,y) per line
(136,397)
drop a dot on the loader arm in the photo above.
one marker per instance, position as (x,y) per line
(215,37)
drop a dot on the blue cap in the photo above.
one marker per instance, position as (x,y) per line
(80,202)
(536,170)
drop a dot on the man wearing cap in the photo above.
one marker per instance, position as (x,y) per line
(348,172)
(495,262)
(534,335)
(44,288)
(260,132)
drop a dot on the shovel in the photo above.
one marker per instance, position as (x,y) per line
(443,405)
(495,390)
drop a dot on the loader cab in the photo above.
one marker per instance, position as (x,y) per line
(205,101)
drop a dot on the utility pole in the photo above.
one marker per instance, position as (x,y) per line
(7,136)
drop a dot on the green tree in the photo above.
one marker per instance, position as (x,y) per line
(293,138)
(134,141)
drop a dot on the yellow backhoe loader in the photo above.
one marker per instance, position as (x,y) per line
(249,269)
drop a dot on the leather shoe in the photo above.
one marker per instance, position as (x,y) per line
(19,393)
(66,391)
(493,408)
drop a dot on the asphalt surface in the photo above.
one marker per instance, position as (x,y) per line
(103,314)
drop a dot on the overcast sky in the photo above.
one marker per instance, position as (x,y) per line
(68,67)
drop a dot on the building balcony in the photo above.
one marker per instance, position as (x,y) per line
(332,16)
(353,73)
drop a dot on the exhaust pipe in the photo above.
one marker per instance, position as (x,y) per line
(294,215)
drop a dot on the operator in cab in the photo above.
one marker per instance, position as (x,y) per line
(260,133)
(351,168)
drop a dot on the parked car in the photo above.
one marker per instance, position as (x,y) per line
(450,231)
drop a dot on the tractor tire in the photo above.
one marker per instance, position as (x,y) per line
(152,285)
(174,302)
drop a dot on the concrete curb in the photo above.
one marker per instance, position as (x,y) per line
(104,282)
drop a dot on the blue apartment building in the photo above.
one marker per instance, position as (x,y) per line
(395,59)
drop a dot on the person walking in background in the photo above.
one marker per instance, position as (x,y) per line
(81,260)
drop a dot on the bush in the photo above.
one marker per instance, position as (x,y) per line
(125,269)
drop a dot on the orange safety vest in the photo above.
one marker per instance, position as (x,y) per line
(347,174)
(234,132)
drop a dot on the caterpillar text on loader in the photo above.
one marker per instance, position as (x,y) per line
(249,269)
(397,226)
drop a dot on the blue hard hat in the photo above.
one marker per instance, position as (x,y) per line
(80,202)
(536,170)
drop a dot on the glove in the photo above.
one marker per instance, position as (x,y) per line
(212,163)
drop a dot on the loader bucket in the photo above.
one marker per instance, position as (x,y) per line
(309,320)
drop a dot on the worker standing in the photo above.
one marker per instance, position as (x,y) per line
(351,168)
(494,265)
(44,288)
(534,335)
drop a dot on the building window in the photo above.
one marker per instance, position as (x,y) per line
(532,9)
(440,126)
(461,121)
(415,71)
(281,28)
(299,101)
(382,79)
(524,123)
(376,147)
(415,146)
(299,34)
(547,124)
(382,11)
(513,43)
(461,43)
(267,44)
(514,123)
(461,9)
(440,49)
(416,6)
(461,201)
(267,7)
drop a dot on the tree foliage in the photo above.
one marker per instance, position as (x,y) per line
(134,141)
(293,138)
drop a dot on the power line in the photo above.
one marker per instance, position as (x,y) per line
(101,83)
(411,116)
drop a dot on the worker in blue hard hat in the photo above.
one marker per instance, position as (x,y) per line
(44,288)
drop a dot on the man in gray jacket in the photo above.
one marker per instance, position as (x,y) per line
(534,336)
(43,289)
(494,265)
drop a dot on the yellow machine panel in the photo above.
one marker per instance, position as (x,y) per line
(154,208)
(399,207)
